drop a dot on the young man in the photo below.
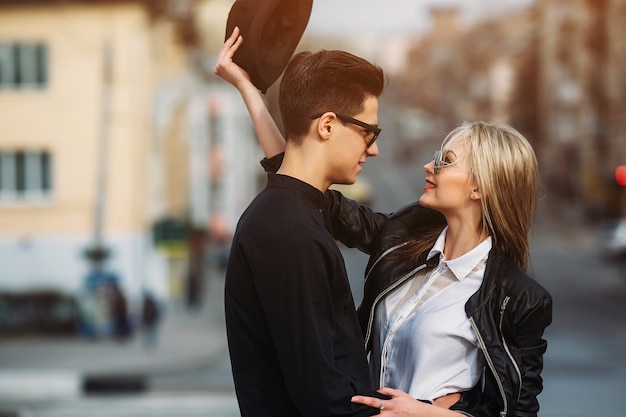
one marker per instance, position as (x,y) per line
(294,339)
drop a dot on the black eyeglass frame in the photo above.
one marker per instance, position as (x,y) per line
(375,130)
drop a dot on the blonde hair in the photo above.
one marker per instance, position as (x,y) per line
(506,171)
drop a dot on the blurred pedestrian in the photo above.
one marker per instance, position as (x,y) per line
(197,247)
(150,318)
(95,299)
(122,330)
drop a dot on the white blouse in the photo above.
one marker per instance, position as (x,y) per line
(426,345)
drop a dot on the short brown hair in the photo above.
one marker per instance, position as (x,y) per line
(324,81)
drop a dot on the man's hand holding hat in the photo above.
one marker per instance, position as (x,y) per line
(272,29)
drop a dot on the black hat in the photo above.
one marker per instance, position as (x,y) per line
(271,30)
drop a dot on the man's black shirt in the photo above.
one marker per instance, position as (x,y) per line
(294,339)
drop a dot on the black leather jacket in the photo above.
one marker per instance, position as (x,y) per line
(509,312)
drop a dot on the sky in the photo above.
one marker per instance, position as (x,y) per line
(392,17)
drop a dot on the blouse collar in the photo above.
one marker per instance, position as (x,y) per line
(462,266)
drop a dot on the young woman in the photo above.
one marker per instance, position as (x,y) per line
(451,320)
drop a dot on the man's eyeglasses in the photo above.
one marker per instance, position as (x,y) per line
(373,130)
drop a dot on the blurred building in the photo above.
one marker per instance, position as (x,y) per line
(110,126)
(555,71)
(461,72)
(582,100)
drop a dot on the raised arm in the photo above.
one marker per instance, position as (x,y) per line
(269,136)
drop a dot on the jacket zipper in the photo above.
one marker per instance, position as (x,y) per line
(491,365)
(368,334)
(506,347)
(385,253)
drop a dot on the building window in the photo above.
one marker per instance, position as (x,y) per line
(25,175)
(23,65)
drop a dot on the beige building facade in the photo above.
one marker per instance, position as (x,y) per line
(81,157)
(113,125)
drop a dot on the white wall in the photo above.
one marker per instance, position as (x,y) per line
(57,263)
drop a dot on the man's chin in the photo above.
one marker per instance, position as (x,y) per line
(346,181)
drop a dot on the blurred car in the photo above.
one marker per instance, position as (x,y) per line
(613,239)
(360,191)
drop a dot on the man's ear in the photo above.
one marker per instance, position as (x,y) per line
(325,125)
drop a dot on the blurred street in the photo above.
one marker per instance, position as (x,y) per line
(188,374)
(585,369)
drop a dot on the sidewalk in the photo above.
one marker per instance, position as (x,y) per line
(44,368)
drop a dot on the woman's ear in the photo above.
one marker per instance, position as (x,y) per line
(475,194)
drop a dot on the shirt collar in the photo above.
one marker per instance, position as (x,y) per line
(305,190)
(462,266)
